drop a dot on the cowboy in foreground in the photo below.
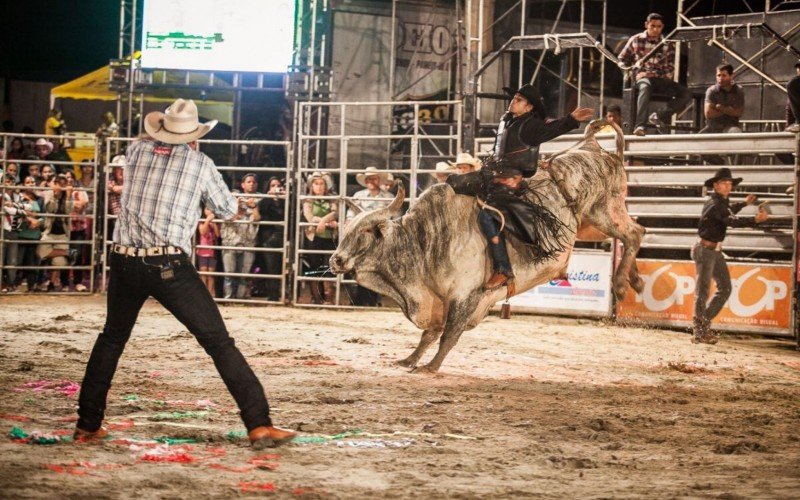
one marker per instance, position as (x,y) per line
(501,181)
(166,182)
(718,214)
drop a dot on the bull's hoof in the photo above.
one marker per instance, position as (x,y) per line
(407,362)
(638,285)
(425,370)
(619,292)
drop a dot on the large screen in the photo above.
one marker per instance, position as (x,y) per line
(214,35)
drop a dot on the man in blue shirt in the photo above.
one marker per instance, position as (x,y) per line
(166,182)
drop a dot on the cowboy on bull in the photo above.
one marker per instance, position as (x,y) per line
(500,183)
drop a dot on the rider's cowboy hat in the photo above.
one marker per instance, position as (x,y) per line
(532,95)
(467,159)
(178,124)
(721,175)
(371,171)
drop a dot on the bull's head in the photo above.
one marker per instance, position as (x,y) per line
(365,235)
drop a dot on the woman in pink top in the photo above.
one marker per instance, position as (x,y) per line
(206,257)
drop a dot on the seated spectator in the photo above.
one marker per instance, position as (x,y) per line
(793,103)
(12,169)
(271,236)
(207,257)
(17,151)
(466,163)
(724,103)
(54,246)
(321,234)
(48,174)
(43,149)
(654,75)
(34,171)
(240,233)
(29,234)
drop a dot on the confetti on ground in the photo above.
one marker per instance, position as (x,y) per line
(163,453)
(37,437)
(264,461)
(79,468)
(246,486)
(117,426)
(15,418)
(66,387)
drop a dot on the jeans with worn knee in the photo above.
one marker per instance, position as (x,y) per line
(490,228)
(679,98)
(709,264)
(132,281)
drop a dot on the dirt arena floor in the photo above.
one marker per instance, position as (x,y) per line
(527,407)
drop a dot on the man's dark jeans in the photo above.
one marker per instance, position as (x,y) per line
(709,264)
(491,228)
(679,98)
(132,281)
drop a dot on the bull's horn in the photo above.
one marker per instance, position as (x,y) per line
(397,203)
(355,208)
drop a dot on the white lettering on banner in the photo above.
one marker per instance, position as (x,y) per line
(774,290)
(684,285)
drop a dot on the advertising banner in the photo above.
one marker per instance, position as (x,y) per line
(760,300)
(586,289)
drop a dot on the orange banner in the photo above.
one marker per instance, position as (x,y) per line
(760,299)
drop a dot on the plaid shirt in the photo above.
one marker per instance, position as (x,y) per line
(661,64)
(164,187)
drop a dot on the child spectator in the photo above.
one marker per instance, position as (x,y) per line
(207,257)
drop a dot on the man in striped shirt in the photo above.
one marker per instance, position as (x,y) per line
(653,75)
(166,181)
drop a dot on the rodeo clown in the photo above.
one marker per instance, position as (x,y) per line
(501,182)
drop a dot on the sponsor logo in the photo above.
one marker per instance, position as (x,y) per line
(774,290)
(681,286)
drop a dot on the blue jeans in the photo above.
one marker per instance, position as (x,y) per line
(235,261)
(132,281)
(490,228)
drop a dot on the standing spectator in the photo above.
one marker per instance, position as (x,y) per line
(108,128)
(79,233)
(12,169)
(466,163)
(207,257)
(29,235)
(55,124)
(167,183)
(240,234)
(443,171)
(793,103)
(272,209)
(114,187)
(718,214)
(724,103)
(653,75)
(321,235)
(11,219)
(54,246)
(43,149)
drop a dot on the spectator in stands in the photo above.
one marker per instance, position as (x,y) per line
(443,171)
(614,114)
(48,174)
(271,209)
(718,214)
(29,235)
(387,184)
(371,197)
(34,171)
(466,163)
(12,169)
(11,220)
(207,257)
(108,127)
(79,251)
(55,124)
(653,75)
(114,187)
(321,235)
(54,246)
(241,233)
(17,150)
(724,103)
(793,103)
(43,149)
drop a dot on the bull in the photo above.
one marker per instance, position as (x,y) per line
(433,261)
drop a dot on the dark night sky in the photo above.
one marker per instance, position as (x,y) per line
(57,40)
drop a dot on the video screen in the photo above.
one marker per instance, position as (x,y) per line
(209,35)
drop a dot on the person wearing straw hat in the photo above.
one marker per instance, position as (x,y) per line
(718,215)
(501,180)
(443,171)
(166,182)
(466,163)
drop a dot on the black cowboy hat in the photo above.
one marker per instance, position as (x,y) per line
(723,174)
(532,95)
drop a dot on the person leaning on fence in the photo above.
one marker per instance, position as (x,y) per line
(207,257)
(54,245)
(241,233)
(12,215)
(718,214)
(29,234)
(272,209)
(654,75)
(724,103)
(80,233)
(321,234)
(166,184)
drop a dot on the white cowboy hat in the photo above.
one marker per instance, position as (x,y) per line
(118,161)
(370,171)
(320,175)
(178,124)
(41,141)
(444,167)
(468,159)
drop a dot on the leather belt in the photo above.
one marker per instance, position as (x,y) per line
(146,252)
(711,245)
